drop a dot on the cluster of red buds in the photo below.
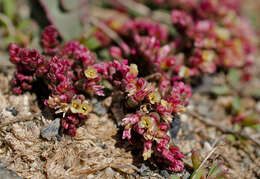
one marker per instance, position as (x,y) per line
(72,75)
(67,73)
(152,111)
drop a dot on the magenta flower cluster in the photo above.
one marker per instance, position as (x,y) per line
(72,75)
(209,35)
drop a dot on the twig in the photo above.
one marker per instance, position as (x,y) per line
(8,23)
(204,161)
(221,128)
(31,118)
(113,35)
(154,75)
(139,8)
(144,11)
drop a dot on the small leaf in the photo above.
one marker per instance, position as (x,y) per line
(237,127)
(199,174)
(71,5)
(231,137)
(213,169)
(92,43)
(175,177)
(68,24)
(104,53)
(251,120)
(23,24)
(256,93)
(173,31)
(233,77)
(195,160)
(220,90)
(236,104)
(9,8)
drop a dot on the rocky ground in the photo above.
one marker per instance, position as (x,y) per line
(31,145)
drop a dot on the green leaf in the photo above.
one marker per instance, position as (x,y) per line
(220,90)
(174,177)
(71,5)
(104,53)
(173,31)
(25,23)
(213,169)
(233,77)
(68,24)
(251,120)
(200,173)
(236,104)
(195,160)
(231,137)
(237,127)
(92,43)
(256,127)
(9,8)
(256,93)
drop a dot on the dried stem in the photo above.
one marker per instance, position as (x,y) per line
(112,34)
(30,118)
(204,161)
(144,11)
(152,76)
(221,128)
(8,23)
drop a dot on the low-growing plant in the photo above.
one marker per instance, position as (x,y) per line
(72,75)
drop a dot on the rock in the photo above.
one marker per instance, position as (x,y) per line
(99,109)
(144,170)
(186,175)
(204,108)
(66,167)
(109,173)
(164,173)
(175,127)
(13,111)
(257,152)
(51,130)
(104,146)
(3,165)
(8,174)
(90,176)
(207,147)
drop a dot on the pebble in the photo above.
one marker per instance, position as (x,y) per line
(66,167)
(204,108)
(175,127)
(109,173)
(104,146)
(13,111)
(99,109)
(257,152)
(8,174)
(186,175)
(165,173)
(207,147)
(90,176)
(144,170)
(51,130)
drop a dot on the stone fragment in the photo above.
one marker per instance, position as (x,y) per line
(51,130)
